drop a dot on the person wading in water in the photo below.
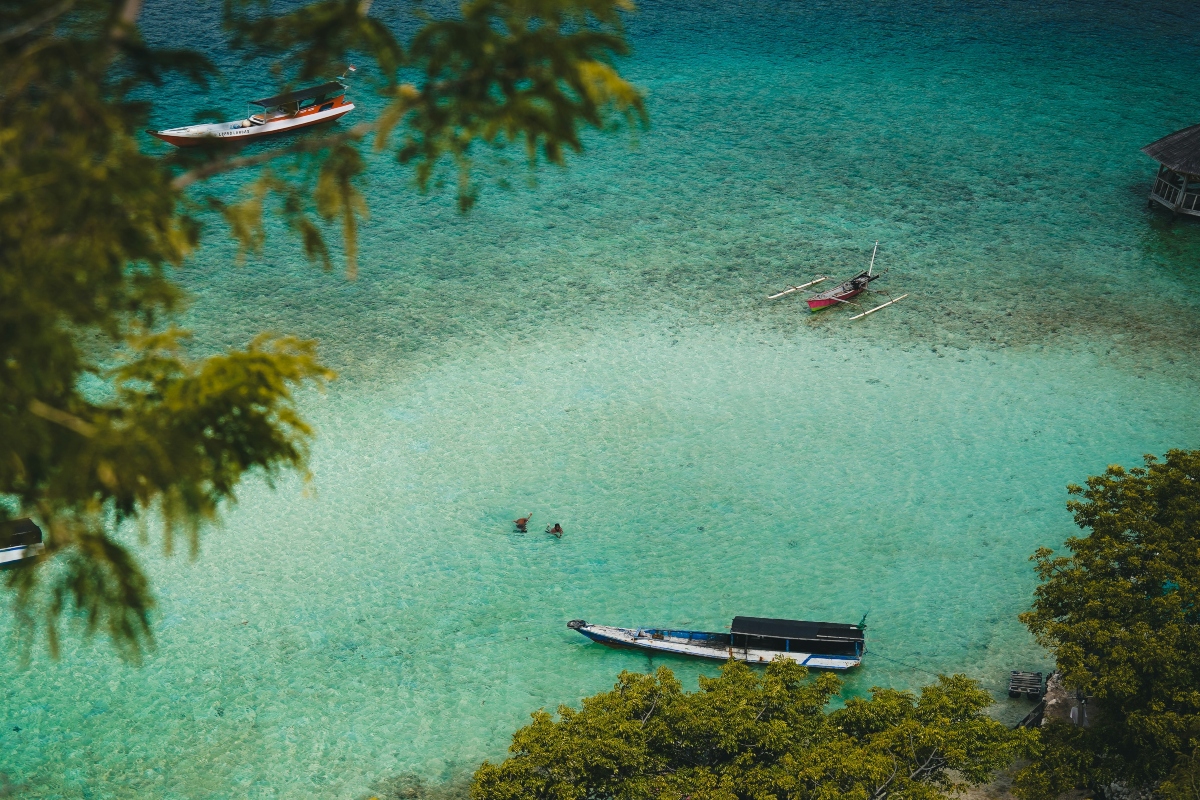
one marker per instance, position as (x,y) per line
(522,522)
(555,531)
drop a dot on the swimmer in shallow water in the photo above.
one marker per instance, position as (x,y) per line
(555,531)
(522,522)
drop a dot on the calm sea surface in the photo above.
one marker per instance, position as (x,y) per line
(597,349)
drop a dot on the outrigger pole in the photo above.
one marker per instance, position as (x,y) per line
(873,252)
(876,308)
(791,289)
(847,302)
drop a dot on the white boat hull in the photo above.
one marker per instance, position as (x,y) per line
(243,130)
(643,639)
(14,556)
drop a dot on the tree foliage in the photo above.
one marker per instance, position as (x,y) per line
(755,735)
(1120,615)
(1184,781)
(104,415)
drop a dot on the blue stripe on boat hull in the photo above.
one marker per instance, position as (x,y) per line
(834,662)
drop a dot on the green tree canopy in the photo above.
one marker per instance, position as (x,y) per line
(1120,615)
(104,416)
(755,735)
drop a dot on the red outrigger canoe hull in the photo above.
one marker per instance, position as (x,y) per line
(817,303)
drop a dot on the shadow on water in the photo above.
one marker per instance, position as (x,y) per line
(413,787)
(1172,241)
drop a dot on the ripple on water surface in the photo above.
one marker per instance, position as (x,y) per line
(596,350)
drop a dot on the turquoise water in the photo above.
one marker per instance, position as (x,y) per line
(597,349)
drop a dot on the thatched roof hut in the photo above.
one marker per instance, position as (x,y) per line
(1177,186)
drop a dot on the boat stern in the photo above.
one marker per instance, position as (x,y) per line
(20,543)
(831,662)
(187,137)
(605,634)
(178,141)
(581,626)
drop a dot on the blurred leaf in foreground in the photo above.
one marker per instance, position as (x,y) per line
(104,418)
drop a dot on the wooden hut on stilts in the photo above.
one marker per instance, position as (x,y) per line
(1177,186)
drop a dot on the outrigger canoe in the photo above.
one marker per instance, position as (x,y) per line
(278,114)
(843,292)
(755,640)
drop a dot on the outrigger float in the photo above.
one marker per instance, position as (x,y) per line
(755,640)
(843,291)
(278,114)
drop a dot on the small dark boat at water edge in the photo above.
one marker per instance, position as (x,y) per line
(755,640)
(20,543)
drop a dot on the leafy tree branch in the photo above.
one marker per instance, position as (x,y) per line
(745,735)
(94,220)
(1120,614)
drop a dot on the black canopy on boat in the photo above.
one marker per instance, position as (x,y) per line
(796,629)
(20,532)
(303,94)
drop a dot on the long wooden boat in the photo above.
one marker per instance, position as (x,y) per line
(278,114)
(842,292)
(755,640)
(851,288)
(20,543)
